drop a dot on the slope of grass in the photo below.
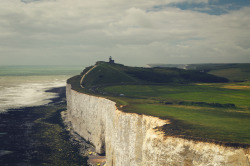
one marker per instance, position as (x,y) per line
(116,74)
(105,74)
(233,74)
(198,106)
(231,71)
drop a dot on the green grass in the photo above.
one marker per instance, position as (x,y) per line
(217,112)
(214,124)
(199,93)
(228,125)
(233,74)
(231,71)
(105,74)
(117,74)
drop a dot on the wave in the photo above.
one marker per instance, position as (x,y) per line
(17,92)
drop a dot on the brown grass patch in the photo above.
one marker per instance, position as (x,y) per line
(243,87)
(189,107)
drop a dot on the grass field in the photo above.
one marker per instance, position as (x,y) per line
(233,74)
(223,123)
(202,93)
(231,71)
(117,74)
(214,112)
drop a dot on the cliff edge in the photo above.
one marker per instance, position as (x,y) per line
(130,139)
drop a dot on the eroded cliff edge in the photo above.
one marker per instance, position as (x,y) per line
(130,139)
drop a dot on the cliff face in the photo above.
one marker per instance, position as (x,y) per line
(130,139)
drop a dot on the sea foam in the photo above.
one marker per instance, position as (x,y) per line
(17,92)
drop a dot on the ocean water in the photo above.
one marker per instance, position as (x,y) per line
(26,86)
(22,86)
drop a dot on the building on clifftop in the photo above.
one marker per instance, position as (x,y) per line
(111,60)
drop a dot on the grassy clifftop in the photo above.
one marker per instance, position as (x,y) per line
(238,72)
(113,74)
(200,106)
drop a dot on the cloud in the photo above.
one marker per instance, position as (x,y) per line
(82,32)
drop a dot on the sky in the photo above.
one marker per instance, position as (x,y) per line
(133,32)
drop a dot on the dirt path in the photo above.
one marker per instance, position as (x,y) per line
(85,75)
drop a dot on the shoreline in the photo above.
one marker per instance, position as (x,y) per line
(36,135)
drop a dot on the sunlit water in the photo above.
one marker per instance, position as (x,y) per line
(26,86)
(29,89)
(16,92)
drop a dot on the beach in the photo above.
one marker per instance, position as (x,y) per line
(37,136)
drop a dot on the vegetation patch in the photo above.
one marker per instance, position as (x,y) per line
(232,71)
(54,145)
(116,74)
(204,104)
(36,136)
(224,119)
(199,105)
(237,87)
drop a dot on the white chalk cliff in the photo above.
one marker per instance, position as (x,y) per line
(129,139)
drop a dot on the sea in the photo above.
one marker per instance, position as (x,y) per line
(22,88)
(26,86)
